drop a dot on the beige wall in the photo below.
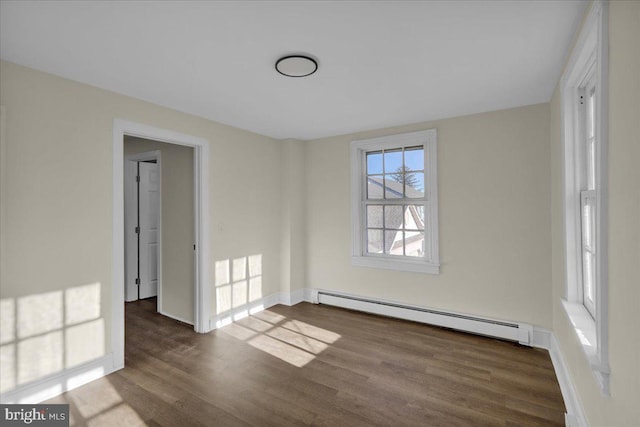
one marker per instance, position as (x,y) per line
(58,205)
(177,224)
(493,172)
(623,407)
(293,215)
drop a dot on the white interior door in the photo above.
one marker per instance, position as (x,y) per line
(130,226)
(148,210)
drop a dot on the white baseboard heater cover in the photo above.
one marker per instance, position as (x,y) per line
(520,332)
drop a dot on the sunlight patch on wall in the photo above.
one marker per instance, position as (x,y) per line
(39,356)
(239,268)
(238,284)
(7,368)
(239,296)
(7,320)
(255,288)
(82,303)
(42,334)
(222,273)
(239,275)
(223,288)
(39,313)
(84,342)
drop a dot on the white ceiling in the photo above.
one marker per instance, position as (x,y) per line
(380,63)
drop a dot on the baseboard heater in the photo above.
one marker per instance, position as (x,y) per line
(520,332)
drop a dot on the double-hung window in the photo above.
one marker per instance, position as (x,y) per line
(394,202)
(584,119)
(586,150)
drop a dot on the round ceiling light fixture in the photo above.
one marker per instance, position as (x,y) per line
(296,66)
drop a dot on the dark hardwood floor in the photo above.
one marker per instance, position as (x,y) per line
(317,365)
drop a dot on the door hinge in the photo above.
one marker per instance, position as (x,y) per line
(137,280)
(137,230)
(138,178)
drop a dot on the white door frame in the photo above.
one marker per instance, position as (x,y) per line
(202,291)
(130,235)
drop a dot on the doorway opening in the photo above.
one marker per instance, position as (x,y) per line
(200,300)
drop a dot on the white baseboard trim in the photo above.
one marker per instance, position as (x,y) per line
(311,295)
(574,417)
(541,338)
(179,319)
(513,331)
(293,297)
(55,384)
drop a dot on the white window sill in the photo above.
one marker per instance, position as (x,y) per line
(396,264)
(585,327)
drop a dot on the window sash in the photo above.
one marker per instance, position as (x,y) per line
(403,228)
(588,222)
(388,201)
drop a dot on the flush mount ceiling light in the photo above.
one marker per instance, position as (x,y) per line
(296,66)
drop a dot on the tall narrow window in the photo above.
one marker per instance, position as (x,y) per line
(584,119)
(588,191)
(395,202)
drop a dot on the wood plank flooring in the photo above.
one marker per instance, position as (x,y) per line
(317,365)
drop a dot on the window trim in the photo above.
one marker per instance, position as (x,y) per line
(591,331)
(431,263)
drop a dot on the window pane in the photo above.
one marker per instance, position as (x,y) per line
(392,161)
(393,217)
(588,202)
(586,225)
(374,162)
(375,187)
(592,113)
(392,188)
(589,276)
(374,216)
(393,242)
(414,158)
(414,184)
(414,217)
(414,243)
(591,164)
(374,241)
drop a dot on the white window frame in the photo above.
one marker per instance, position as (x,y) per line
(430,263)
(590,321)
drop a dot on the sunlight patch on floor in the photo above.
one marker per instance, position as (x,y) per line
(292,341)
